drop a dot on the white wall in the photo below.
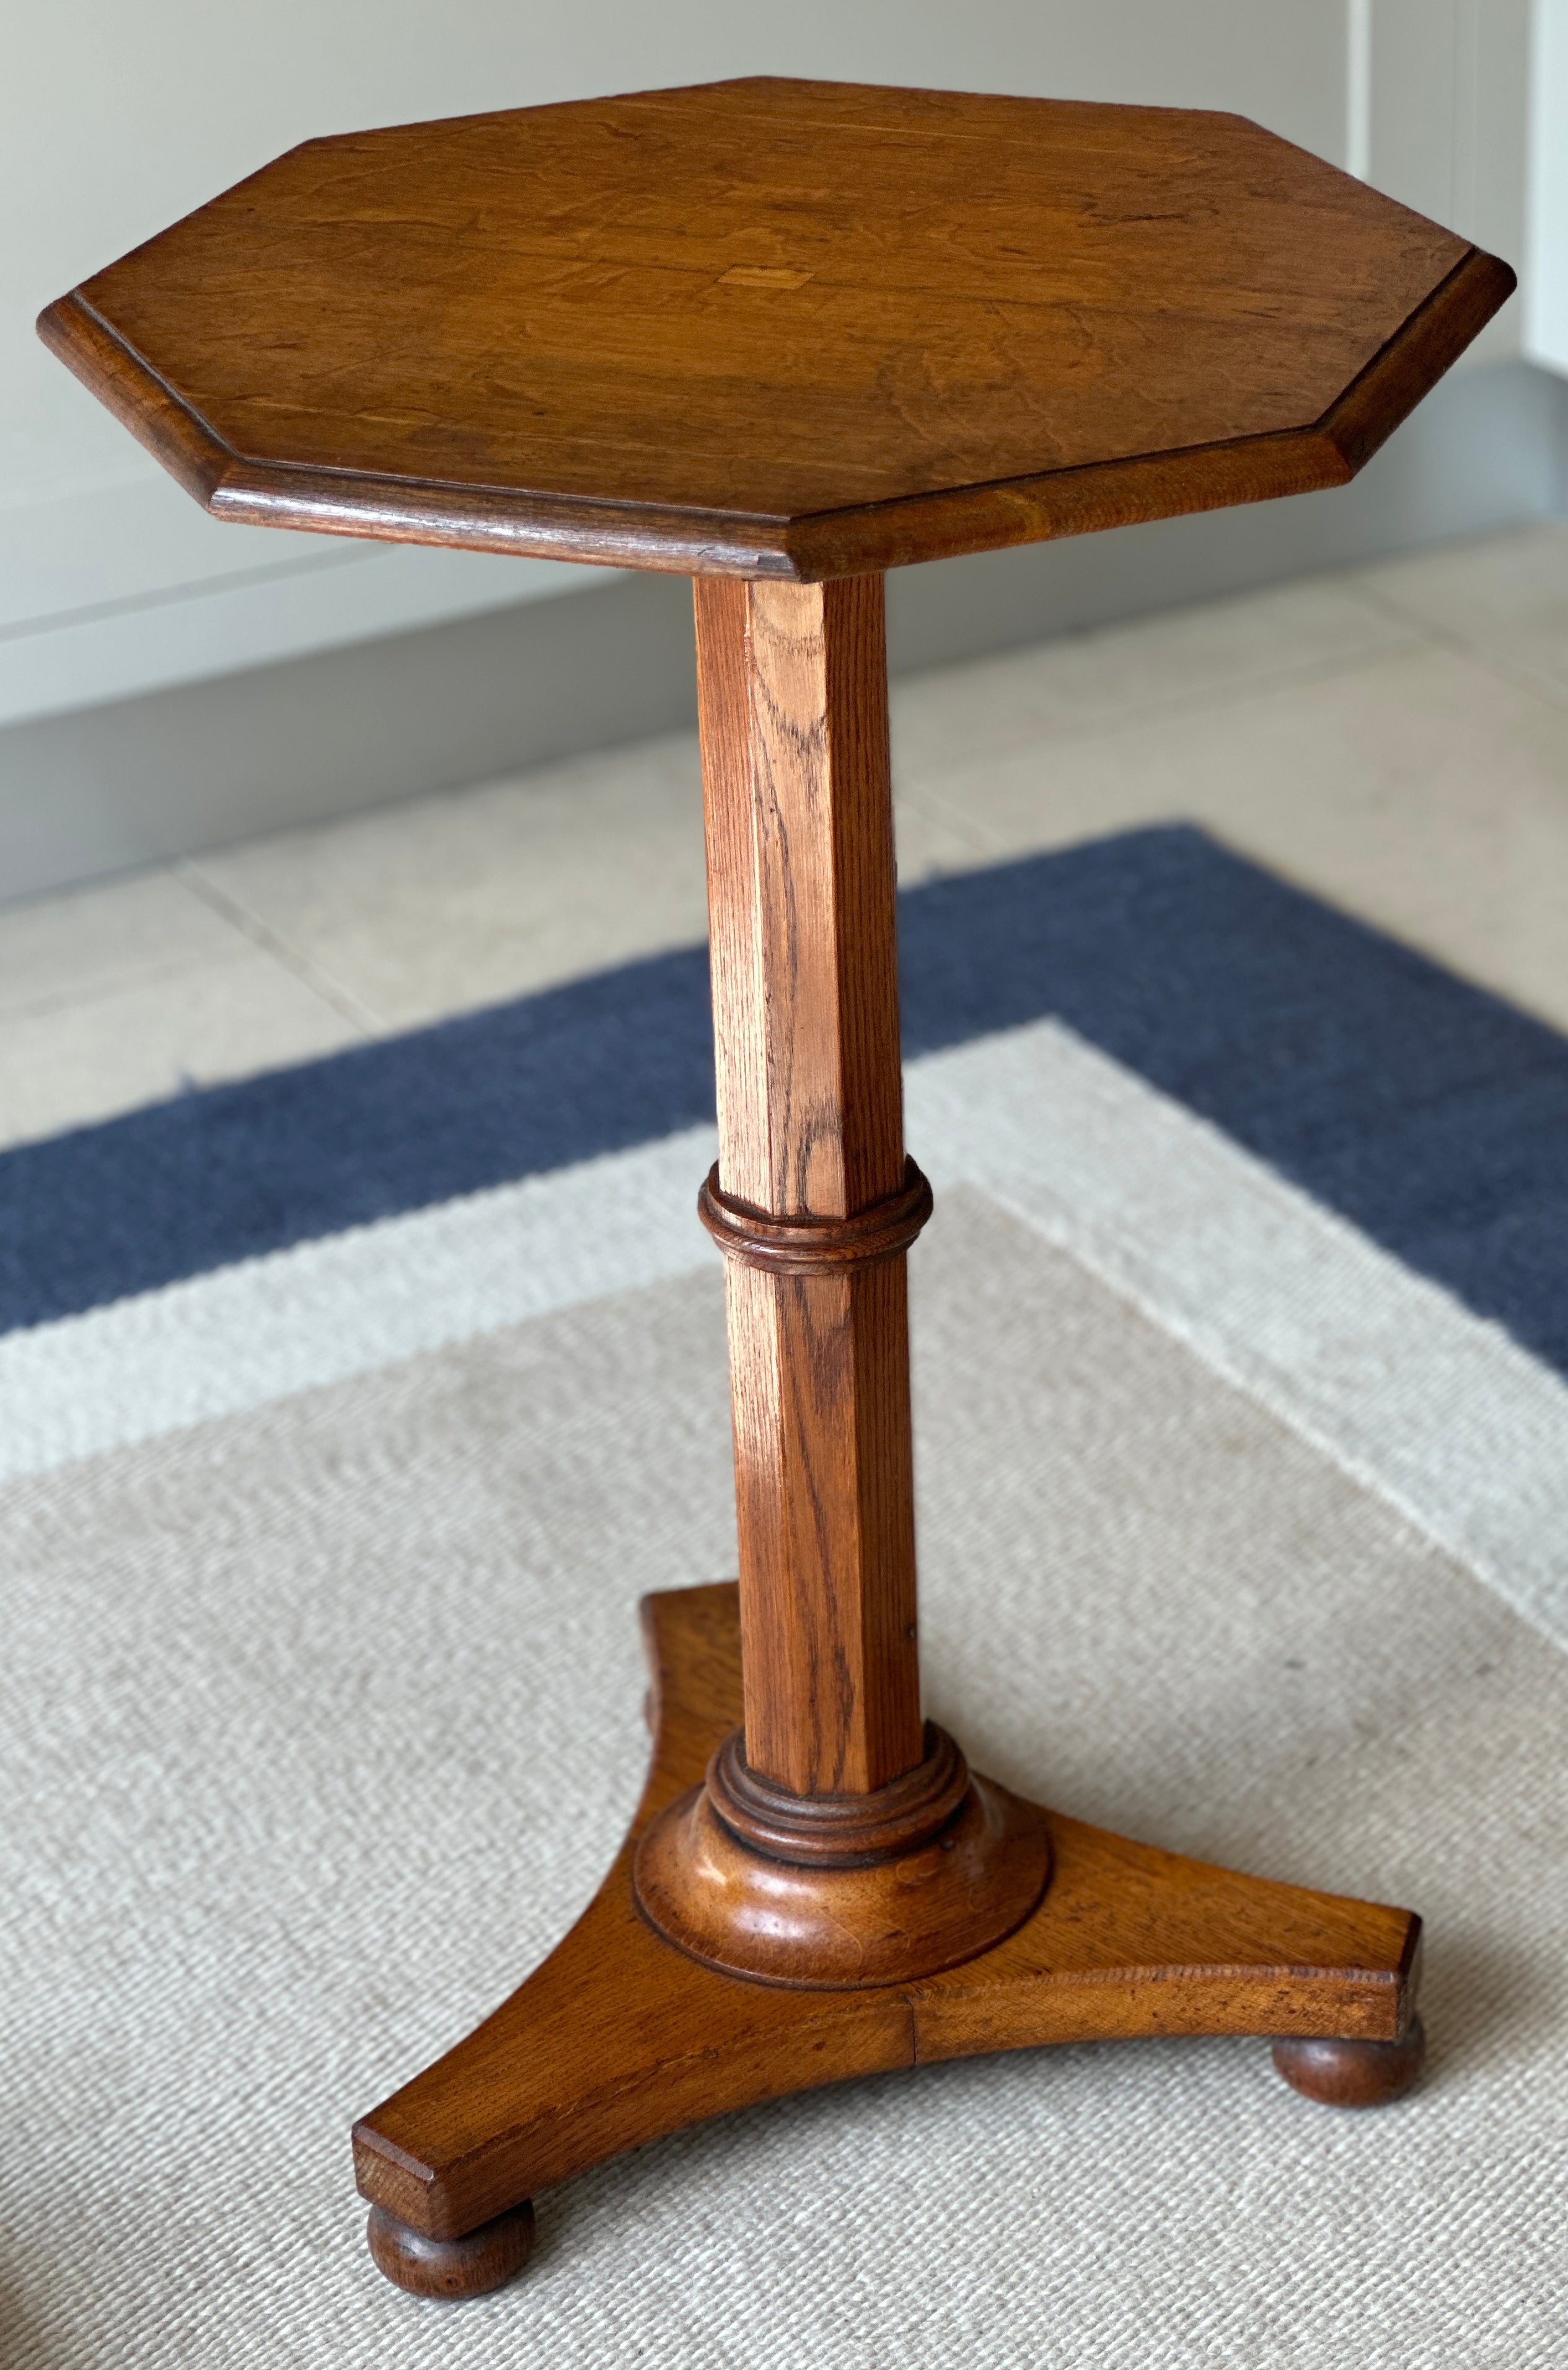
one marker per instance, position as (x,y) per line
(1447,117)
(1546,278)
(116,119)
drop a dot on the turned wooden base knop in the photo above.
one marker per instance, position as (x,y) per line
(837,1892)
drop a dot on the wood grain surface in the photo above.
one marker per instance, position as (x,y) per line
(619,2038)
(793,702)
(776,327)
(945,1898)
(792,690)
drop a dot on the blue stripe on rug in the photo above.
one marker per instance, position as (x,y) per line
(1431,1114)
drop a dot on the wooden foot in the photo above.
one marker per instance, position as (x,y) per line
(620,2037)
(452,2268)
(1340,2073)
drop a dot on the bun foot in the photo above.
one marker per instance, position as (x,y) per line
(470,2266)
(1353,2073)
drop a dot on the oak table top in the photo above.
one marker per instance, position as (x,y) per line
(776,327)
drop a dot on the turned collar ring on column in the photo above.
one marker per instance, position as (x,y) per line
(839,1830)
(807,1245)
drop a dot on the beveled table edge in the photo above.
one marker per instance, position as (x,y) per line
(812,547)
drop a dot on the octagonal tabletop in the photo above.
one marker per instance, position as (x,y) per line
(776,328)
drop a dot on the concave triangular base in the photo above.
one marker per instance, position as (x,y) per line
(619,2038)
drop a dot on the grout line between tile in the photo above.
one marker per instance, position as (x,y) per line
(1158,711)
(40,1007)
(1481,654)
(289,958)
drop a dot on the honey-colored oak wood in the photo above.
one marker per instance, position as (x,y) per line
(792,690)
(784,336)
(450,2270)
(793,704)
(776,327)
(619,2038)
(846,1902)
(1340,2073)
(835,1842)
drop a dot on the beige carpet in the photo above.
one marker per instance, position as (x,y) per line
(290,1697)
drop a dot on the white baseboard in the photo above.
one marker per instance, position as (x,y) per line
(113,590)
(351,711)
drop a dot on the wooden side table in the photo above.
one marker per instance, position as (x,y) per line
(784,336)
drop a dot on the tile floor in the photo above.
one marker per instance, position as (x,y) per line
(1395,738)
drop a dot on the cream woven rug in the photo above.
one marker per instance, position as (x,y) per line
(322,1720)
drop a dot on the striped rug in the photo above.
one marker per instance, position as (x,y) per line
(334,1450)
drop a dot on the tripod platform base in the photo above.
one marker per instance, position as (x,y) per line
(620,2037)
